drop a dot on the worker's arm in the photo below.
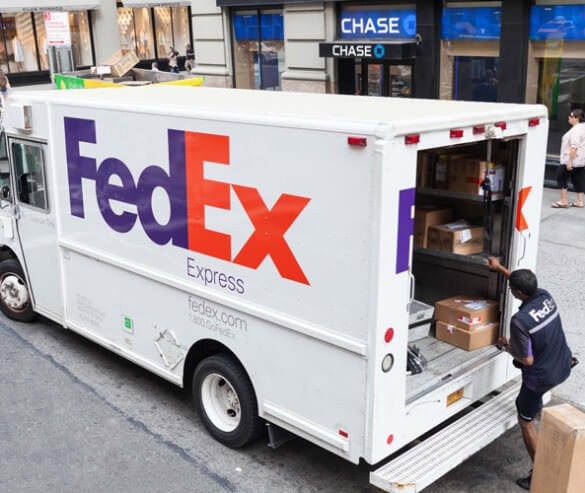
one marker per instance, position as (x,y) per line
(504,344)
(494,264)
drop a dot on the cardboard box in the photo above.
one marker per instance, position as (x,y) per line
(424,170)
(467,312)
(459,237)
(122,62)
(559,464)
(481,336)
(441,175)
(425,217)
(466,176)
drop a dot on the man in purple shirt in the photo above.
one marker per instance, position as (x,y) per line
(539,348)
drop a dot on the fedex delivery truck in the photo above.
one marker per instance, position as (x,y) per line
(257,248)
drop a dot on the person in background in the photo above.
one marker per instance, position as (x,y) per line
(4,87)
(154,67)
(572,161)
(538,347)
(189,58)
(173,63)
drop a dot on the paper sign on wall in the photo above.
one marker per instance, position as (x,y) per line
(57,29)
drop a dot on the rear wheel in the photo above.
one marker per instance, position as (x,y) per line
(15,301)
(224,397)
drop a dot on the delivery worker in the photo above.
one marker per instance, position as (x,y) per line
(539,348)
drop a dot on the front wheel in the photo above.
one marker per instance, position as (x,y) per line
(15,301)
(224,397)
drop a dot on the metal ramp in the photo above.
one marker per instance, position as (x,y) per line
(423,464)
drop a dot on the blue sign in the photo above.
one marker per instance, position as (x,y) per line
(557,22)
(471,23)
(246,27)
(378,24)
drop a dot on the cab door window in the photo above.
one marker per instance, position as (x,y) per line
(4,165)
(29,175)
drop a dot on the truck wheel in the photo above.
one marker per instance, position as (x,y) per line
(224,397)
(15,300)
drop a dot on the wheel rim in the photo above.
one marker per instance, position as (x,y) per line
(220,402)
(14,293)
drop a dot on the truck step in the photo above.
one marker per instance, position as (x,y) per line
(423,464)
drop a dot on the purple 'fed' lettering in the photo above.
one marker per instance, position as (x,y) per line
(405,229)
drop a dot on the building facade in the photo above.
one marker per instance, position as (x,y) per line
(529,51)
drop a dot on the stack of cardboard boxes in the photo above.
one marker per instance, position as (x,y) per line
(461,173)
(432,229)
(467,322)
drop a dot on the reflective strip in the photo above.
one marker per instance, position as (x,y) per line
(544,324)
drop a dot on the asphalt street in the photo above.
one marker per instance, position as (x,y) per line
(74,417)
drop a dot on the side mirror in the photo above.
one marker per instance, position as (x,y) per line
(5,192)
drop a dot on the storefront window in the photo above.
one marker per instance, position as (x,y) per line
(556,65)
(80,38)
(164,30)
(21,53)
(171,28)
(181,31)
(258,38)
(144,34)
(41,40)
(470,51)
(126,28)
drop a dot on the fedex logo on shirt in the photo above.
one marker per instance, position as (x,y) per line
(547,308)
(188,193)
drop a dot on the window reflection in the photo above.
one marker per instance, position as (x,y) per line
(258,40)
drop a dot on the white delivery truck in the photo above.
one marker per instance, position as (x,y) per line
(257,247)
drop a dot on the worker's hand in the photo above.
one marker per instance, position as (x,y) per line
(494,263)
(502,343)
(569,167)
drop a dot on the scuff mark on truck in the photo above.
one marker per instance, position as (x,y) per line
(171,352)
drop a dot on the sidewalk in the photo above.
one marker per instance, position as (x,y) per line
(560,270)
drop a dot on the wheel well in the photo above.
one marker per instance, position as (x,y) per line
(203,349)
(6,253)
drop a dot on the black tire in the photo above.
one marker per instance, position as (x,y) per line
(250,425)
(11,267)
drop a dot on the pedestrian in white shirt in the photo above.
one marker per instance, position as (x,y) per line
(572,161)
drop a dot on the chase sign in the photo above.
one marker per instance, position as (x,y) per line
(378,24)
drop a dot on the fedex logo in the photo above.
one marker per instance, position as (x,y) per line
(547,308)
(189,193)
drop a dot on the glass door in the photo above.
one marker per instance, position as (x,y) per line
(383,79)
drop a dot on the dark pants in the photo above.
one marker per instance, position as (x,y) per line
(577,176)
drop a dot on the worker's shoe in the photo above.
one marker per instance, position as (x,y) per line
(525,482)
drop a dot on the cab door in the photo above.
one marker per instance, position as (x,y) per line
(8,235)
(36,225)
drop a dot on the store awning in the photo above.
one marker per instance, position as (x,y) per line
(47,5)
(155,3)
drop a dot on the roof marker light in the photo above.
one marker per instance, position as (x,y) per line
(357,141)
(412,139)
(390,439)
(343,434)
(479,129)
(534,122)
(502,125)
(455,133)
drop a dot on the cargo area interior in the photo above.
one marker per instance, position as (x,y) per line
(465,199)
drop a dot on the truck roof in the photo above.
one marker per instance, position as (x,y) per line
(403,115)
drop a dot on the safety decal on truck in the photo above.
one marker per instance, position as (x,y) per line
(188,193)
